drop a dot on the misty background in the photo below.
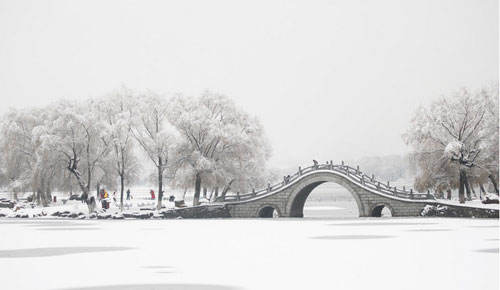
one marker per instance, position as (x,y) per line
(330,80)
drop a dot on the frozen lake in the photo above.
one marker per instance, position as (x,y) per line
(410,253)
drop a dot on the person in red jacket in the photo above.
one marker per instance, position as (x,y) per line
(152,192)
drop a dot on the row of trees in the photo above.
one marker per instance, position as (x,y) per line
(205,143)
(455,142)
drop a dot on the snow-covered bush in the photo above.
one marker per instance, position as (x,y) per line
(454,149)
(433,210)
(490,198)
(458,211)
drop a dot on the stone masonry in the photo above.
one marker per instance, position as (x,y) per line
(289,201)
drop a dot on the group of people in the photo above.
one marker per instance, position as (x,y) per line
(104,195)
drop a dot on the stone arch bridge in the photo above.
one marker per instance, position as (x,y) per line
(289,196)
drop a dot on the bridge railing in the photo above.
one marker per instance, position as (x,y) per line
(350,172)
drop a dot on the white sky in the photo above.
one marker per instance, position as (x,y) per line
(328,79)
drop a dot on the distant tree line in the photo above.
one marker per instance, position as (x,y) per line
(385,168)
(454,143)
(205,143)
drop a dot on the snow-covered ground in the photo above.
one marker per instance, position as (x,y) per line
(414,253)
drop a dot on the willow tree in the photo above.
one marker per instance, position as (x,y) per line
(22,151)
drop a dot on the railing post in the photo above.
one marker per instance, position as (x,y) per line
(357,169)
(300,171)
(411,193)
(395,192)
(253,192)
(378,186)
(387,184)
(362,179)
(237,195)
(342,163)
(373,177)
(404,188)
(347,171)
(428,194)
(331,165)
(268,187)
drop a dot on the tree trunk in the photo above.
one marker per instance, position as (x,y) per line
(482,192)
(81,183)
(48,192)
(494,182)
(210,198)
(467,187)
(204,192)
(122,183)
(89,169)
(122,176)
(226,188)
(491,177)
(89,178)
(160,183)
(216,194)
(461,187)
(42,197)
(197,188)
(472,189)
(45,199)
(73,168)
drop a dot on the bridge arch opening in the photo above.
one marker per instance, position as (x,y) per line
(381,210)
(325,199)
(268,211)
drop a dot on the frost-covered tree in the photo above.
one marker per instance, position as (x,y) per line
(219,145)
(154,133)
(12,159)
(462,130)
(75,133)
(207,142)
(19,148)
(117,111)
(29,162)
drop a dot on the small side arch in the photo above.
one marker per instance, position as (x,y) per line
(268,211)
(376,210)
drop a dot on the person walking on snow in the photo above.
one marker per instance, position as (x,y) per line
(128,194)
(152,192)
